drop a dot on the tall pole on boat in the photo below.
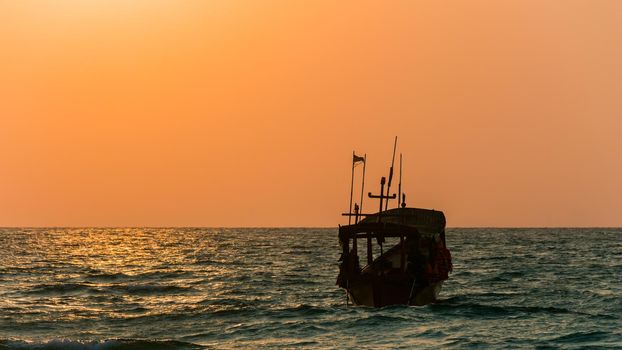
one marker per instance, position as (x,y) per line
(351,189)
(386,206)
(362,186)
(399,186)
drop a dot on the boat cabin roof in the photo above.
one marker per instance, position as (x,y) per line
(398,222)
(423,219)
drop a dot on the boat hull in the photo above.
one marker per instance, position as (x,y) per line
(379,291)
(411,272)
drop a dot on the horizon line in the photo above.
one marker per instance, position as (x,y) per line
(288,227)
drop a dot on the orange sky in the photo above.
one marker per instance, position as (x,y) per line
(245,113)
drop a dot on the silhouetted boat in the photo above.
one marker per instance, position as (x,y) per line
(412,271)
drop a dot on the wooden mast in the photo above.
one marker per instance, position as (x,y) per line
(381,197)
(402,243)
(351,191)
(386,206)
(362,188)
(399,186)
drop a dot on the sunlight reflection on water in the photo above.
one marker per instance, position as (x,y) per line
(276,287)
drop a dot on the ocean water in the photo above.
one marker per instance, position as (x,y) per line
(191,288)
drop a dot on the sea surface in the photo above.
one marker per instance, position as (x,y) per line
(192,288)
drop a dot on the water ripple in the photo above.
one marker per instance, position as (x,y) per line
(170,288)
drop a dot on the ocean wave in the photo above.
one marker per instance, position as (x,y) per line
(87,288)
(238,303)
(377,320)
(582,337)
(497,311)
(505,276)
(110,344)
(302,310)
(102,276)
(243,290)
(61,288)
(163,274)
(150,289)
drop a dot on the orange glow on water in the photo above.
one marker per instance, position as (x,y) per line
(245,114)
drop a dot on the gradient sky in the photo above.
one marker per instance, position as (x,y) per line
(245,113)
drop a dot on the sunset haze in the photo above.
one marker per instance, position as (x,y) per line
(246,113)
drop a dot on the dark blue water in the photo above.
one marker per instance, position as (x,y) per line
(256,288)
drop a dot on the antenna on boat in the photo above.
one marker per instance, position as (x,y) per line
(386,206)
(399,186)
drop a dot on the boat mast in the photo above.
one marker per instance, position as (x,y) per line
(351,189)
(362,187)
(386,206)
(399,186)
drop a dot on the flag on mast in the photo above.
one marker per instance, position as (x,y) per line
(356,159)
